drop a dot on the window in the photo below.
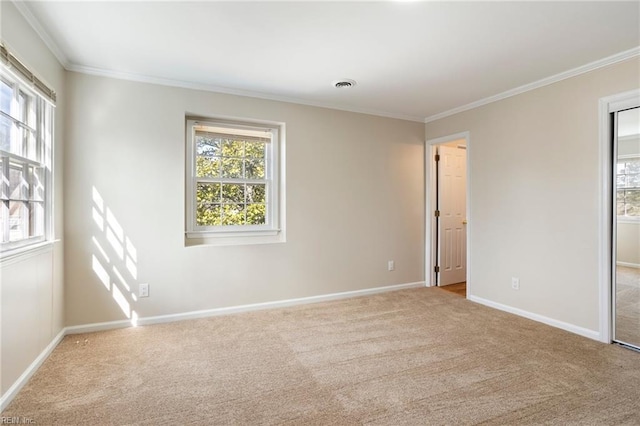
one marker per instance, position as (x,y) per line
(628,187)
(25,162)
(233,180)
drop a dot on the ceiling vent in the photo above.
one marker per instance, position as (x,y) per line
(345,82)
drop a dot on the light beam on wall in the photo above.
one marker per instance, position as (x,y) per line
(118,253)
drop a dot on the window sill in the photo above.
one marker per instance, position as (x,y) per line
(233,238)
(21,253)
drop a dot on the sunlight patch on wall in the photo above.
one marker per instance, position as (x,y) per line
(101,273)
(97,218)
(111,242)
(115,244)
(100,249)
(121,278)
(121,301)
(97,200)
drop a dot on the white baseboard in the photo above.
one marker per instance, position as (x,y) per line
(585,332)
(87,328)
(24,378)
(630,265)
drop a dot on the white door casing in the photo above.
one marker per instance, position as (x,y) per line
(452,241)
(606,107)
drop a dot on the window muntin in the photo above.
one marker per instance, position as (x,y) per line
(25,137)
(233,179)
(628,187)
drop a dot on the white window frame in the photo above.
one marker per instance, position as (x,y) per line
(273,230)
(43,111)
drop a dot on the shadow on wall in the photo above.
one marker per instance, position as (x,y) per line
(115,267)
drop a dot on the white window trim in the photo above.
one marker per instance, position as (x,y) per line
(45,129)
(274,230)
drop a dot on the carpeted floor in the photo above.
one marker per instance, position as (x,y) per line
(628,305)
(411,357)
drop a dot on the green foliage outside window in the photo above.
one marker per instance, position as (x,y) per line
(239,197)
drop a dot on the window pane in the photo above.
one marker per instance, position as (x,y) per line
(633,165)
(254,149)
(6,93)
(254,168)
(256,214)
(17,183)
(232,148)
(632,203)
(233,214)
(18,220)
(208,214)
(4,216)
(620,181)
(37,183)
(208,211)
(620,169)
(232,168)
(23,104)
(31,145)
(256,193)
(208,192)
(233,192)
(4,190)
(633,181)
(18,139)
(5,133)
(207,145)
(207,166)
(620,203)
(36,226)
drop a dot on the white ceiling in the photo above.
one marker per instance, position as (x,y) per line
(410,59)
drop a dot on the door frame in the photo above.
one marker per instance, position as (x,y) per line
(431,243)
(606,106)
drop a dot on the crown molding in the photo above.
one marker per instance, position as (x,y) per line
(229,91)
(601,63)
(24,10)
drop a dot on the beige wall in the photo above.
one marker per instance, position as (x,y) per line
(534,188)
(32,293)
(354,191)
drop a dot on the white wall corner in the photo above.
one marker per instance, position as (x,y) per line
(24,378)
(585,332)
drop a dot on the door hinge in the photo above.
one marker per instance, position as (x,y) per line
(437,157)
(436,269)
(437,213)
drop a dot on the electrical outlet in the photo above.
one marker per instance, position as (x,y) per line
(391,265)
(143,290)
(515,283)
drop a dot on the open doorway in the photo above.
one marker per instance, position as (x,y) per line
(447,166)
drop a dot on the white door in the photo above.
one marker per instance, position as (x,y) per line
(452,232)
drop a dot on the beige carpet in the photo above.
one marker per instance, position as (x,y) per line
(628,305)
(412,357)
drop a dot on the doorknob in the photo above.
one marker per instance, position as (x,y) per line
(464,222)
